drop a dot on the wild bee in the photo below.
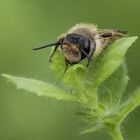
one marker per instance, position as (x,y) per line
(83,41)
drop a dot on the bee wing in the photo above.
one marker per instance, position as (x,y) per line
(113,33)
(106,37)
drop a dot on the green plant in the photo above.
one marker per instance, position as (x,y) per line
(99,89)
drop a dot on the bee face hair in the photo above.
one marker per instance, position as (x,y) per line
(81,41)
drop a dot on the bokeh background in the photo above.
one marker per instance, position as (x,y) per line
(25,24)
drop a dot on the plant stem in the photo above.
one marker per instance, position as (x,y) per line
(116,134)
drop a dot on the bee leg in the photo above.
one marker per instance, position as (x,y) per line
(91,54)
(90,59)
(67,63)
(88,62)
(53,52)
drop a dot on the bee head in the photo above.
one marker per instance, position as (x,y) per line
(79,42)
(76,39)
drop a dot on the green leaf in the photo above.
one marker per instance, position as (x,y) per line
(106,64)
(114,87)
(58,64)
(94,128)
(129,105)
(40,88)
(75,76)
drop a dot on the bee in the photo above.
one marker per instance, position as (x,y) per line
(83,41)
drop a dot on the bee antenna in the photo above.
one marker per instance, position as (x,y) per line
(49,45)
(85,54)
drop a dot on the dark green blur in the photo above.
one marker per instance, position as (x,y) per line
(25,24)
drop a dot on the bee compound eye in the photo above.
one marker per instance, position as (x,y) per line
(75,38)
(85,44)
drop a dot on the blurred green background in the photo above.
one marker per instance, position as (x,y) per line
(25,24)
